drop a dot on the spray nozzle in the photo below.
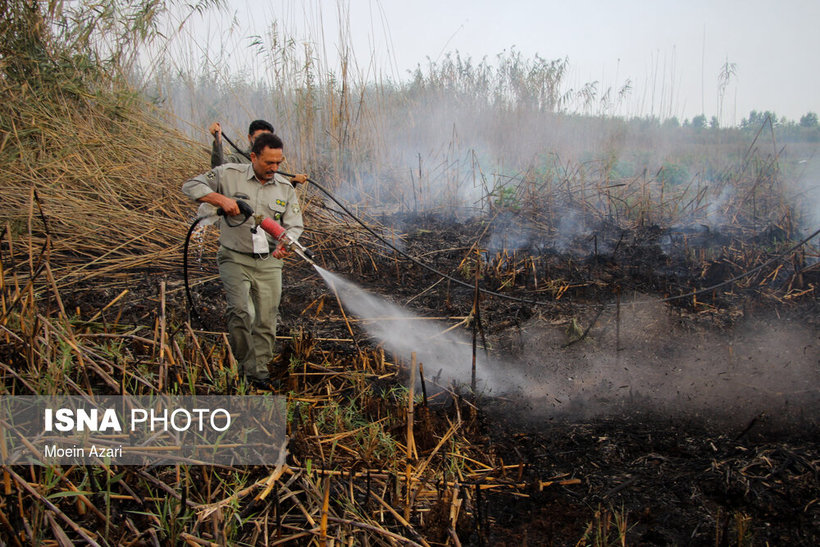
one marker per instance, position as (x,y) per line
(280,234)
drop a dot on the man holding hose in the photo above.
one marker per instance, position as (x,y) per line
(256,128)
(250,264)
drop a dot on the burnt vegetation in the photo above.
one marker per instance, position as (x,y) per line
(660,320)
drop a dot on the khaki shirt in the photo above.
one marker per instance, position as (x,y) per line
(276,199)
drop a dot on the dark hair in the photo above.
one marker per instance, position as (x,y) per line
(266,140)
(259,125)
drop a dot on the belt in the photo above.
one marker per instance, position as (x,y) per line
(258,256)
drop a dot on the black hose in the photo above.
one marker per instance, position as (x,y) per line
(407,256)
(245,210)
(191,307)
(236,147)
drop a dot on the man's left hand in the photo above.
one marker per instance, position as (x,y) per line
(299,178)
(280,252)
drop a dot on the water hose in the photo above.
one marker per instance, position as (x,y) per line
(236,147)
(244,210)
(404,254)
(191,307)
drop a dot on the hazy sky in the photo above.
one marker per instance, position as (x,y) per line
(671,51)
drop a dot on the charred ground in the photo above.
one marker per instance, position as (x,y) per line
(623,418)
(691,421)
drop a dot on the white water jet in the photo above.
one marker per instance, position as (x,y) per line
(446,356)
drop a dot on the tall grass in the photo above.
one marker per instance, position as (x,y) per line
(80,147)
(91,171)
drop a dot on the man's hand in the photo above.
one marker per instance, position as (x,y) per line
(280,251)
(299,178)
(230,206)
(216,130)
(225,203)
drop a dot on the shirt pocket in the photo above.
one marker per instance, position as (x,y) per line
(277,208)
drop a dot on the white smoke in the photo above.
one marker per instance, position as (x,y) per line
(733,375)
(807,192)
(570,226)
(716,209)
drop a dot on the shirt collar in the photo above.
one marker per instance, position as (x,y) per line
(251,175)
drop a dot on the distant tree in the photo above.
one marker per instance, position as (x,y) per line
(699,121)
(714,123)
(756,119)
(671,122)
(775,121)
(809,120)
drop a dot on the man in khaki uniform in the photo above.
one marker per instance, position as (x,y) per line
(250,264)
(256,128)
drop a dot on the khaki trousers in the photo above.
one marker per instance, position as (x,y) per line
(254,288)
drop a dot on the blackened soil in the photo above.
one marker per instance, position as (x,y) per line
(732,466)
(686,477)
(673,481)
